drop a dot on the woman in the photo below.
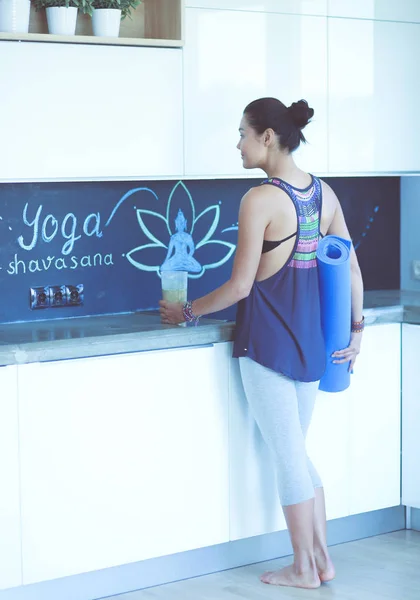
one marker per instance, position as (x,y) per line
(278,337)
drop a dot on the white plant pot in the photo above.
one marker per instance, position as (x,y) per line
(62,20)
(106,22)
(14,16)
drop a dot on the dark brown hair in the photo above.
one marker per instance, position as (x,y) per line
(286,122)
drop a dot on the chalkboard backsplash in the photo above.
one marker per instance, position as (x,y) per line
(114,237)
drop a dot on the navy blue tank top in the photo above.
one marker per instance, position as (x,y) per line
(279,324)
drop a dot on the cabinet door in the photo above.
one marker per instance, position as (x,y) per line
(306,7)
(234,57)
(10,547)
(90,112)
(124,458)
(403,10)
(375,420)
(372,96)
(328,445)
(410,416)
(254,502)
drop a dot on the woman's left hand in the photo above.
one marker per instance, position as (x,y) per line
(171,312)
(350,353)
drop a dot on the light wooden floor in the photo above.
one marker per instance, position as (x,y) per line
(386,567)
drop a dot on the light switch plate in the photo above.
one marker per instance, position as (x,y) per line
(39,297)
(54,296)
(75,294)
(58,295)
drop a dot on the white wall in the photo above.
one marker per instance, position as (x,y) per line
(410,238)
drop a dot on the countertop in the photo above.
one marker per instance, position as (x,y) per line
(82,337)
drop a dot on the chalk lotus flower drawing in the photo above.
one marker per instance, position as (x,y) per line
(180,239)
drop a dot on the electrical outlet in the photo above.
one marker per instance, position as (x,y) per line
(39,297)
(416,269)
(58,295)
(75,294)
(54,296)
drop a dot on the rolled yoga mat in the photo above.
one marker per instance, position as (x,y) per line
(333,256)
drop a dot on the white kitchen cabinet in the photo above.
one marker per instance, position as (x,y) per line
(254,502)
(234,57)
(375,421)
(389,10)
(123,458)
(305,7)
(328,444)
(410,415)
(354,438)
(373,96)
(86,111)
(10,546)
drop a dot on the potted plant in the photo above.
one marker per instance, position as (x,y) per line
(107,15)
(62,14)
(14,16)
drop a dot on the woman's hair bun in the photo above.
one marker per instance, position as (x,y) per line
(301,113)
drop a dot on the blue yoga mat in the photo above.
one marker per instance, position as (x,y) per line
(333,256)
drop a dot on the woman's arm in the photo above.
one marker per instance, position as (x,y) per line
(338,227)
(252,222)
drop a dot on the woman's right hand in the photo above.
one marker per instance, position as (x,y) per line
(350,353)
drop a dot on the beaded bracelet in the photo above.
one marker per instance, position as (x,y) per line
(188,314)
(358,326)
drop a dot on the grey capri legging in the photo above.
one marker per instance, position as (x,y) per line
(283,409)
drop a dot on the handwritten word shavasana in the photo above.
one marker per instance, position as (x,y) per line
(18,266)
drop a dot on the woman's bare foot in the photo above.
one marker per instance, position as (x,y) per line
(289,576)
(325,567)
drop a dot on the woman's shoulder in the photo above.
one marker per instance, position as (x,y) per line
(328,194)
(263,202)
(327,189)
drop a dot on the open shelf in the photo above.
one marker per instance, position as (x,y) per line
(156,23)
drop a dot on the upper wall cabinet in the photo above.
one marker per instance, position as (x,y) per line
(373,96)
(305,7)
(90,112)
(232,58)
(388,10)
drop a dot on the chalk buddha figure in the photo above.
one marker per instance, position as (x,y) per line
(181,249)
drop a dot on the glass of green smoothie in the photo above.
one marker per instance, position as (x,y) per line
(174,286)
